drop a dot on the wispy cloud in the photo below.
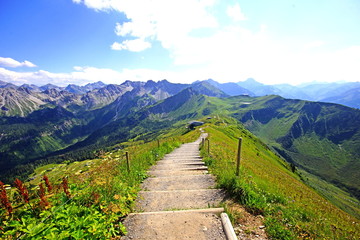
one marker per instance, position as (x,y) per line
(230,52)
(313,44)
(136,45)
(9,62)
(235,13)
(168,22)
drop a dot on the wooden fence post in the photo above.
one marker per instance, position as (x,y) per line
(208,147)
(127,161)
(203,142)
(158,143)
(238,158)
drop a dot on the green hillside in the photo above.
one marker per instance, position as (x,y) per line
(322,140)
(268,186)
(81,200)
(104,190)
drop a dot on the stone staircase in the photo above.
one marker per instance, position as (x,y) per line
(179,200)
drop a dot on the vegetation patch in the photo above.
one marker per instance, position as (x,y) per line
(81,200)
(270,187)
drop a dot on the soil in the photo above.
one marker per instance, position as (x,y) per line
(247,226)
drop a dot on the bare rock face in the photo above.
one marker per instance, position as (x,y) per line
(18,102)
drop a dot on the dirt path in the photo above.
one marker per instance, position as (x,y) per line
(178,201)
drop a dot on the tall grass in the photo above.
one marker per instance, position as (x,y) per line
(267,186)
(87,202)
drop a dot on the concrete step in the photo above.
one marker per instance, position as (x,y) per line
(169,161)
(182,155)
(150,201)
(174,226)
(177,172)
(176,166)
(182,182)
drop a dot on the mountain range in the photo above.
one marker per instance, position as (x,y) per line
(50,124)
(341,93)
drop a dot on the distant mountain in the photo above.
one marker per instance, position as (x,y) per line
(290,91)
(75,89)
(35,124)
(21,101)
(31,87)
(319,92)
(7,85)
(231,89)
(174,102)
(50,86)
(323,92)
(207,89)
(84,89)
(18,102)
(103,96)
(349,98)
(95,85)
(257,88)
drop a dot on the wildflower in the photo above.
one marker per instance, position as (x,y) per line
(47,183)
(66,187)
(22,190)
(43,200)
(4,199)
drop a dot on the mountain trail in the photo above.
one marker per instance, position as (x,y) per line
(179,200)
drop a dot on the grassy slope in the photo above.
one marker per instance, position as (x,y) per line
(267,186)
(272,118)
(102,193)
(319,155)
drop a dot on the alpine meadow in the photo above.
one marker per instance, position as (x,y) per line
(172,120)
(298,166)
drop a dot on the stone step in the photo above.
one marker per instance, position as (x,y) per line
(192,171)
(176,166)
(181,155)
(205,181)
(150,201)
(199,210)
(181,158)
(179,161)
(174,225)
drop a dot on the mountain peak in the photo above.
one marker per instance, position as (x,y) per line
(208,89)
(252,81)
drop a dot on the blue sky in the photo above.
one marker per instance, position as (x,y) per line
(82,41)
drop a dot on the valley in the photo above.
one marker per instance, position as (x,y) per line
(316,143)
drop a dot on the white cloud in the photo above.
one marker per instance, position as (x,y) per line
(314,44)
(235,13)
(166,21)
(135,29)
(9,62)
(136,45)
(116,46)
(229,53)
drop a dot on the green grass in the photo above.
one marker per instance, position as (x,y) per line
(334,194)
(102,191)
(267,186)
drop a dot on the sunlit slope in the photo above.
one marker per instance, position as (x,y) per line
(268,186)
(321,138)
